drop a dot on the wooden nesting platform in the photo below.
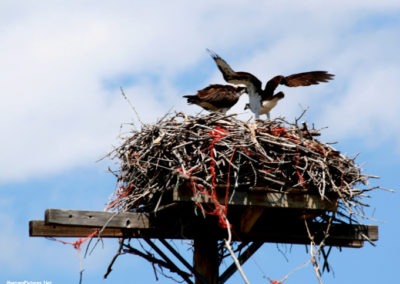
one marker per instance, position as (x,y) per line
(256,215)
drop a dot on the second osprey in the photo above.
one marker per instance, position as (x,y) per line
(261,101)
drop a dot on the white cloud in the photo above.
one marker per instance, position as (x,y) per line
(369,108)
(62,65)
(56,112)
(366,102)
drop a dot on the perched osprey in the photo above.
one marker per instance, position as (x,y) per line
(261,101)
(216,97)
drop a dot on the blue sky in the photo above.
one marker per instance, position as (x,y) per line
(62,63)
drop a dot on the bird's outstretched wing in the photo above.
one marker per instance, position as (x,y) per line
(233,77)
(297,80)
(223,66)
(307,78)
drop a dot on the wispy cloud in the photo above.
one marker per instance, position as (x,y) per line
(61,108)
(57,112)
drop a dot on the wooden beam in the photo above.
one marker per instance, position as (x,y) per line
(340,234)
(181,259)
(243,257)
(97,218)
(41,229)
(249,217)
(205,259)
(292,200)
(171,264)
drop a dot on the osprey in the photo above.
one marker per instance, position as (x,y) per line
(261,101)
(216,97)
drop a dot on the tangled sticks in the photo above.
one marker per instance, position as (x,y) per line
(219,150)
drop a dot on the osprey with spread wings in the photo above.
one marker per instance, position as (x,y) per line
(261,101)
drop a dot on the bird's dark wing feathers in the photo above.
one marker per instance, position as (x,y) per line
(296,80)
(222,65)
(245,78)
(219,95)
(306,78)
(215,96)
(216,90)
(253,83)
(232,76)
(271,85)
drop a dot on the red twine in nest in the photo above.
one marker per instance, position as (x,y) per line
(279,131)
(299,175)
(282,132)
(125,191)
(218,133)
(220,210)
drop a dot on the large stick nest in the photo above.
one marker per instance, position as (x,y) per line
(216,149)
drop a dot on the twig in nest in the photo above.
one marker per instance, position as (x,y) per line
(131,105)
(274,154)
(205,152)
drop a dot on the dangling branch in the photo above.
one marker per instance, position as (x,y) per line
(119,252)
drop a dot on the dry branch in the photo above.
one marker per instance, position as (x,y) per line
(217,151)
(204,151)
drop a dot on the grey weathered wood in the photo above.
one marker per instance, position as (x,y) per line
(293,200)
(97,218)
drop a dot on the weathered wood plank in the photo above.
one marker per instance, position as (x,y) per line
(340,234)
(97,218)
(265,199)
(41,229)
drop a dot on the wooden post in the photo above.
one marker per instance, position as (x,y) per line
(205,259)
